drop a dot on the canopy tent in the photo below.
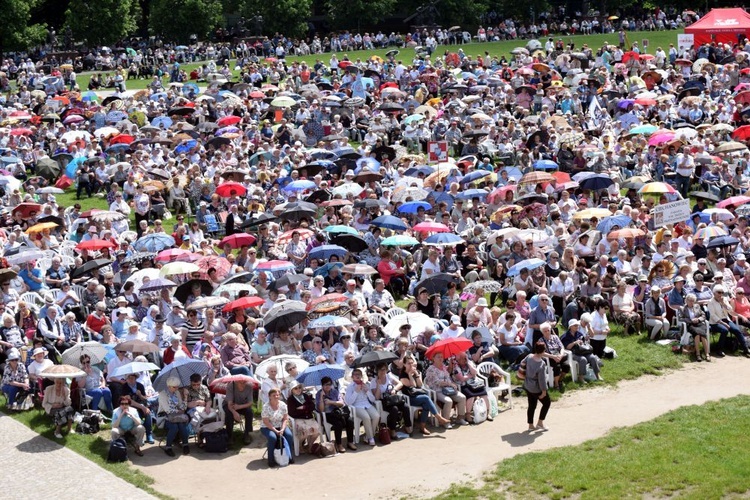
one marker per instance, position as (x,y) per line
(721,26)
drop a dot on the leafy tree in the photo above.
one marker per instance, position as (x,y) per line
(288,17)
(17,32)
(353,12)
(178,19)
(102,22)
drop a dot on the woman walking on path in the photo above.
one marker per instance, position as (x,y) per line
(536,386)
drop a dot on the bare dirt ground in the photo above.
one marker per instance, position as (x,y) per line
(425,465)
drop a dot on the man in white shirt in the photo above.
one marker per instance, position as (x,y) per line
(353,293)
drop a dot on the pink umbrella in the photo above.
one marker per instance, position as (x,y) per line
(431,227)
(499,194)
(734,201)
(567,185)
(73,119)
(171,254)
(221,265)
(659,139)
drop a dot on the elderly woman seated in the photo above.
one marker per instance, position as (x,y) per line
(472,387)
(235,356)
(301,407)
(172,404)
(57,404)
(276,426)
(126,420)
(360,397)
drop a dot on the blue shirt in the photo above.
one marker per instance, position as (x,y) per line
(25,275)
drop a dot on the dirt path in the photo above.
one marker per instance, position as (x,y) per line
(422,466)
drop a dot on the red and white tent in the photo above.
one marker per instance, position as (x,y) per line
(720,26)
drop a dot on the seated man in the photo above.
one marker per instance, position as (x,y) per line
(238,404)
(125,420)
(138,400)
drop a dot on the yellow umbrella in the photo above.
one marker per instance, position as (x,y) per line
(377,58)
(178,267)
(434,101)
(66,66)
(159,185)
(590,213)
(38,228)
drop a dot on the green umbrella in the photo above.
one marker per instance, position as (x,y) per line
(130,51)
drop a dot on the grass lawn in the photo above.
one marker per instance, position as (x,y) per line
(655,38)
(693,452)
(94,448)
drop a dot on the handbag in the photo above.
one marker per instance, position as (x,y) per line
(178,418)
(384,434)
(216,442)
(583,349)
(323,450)
(391,400)
(475,384)
(280,455)
(449,391)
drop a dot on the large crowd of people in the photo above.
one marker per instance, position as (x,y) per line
(256,236)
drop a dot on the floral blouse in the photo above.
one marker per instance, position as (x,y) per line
(18,375)
(276,417)
(435,376)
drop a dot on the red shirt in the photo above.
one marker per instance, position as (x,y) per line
(95,323)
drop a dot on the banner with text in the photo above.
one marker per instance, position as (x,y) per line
(671,213)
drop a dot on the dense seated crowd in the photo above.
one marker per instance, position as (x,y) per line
(234,259)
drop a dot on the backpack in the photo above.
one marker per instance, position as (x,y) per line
(90,422)
(480,411)
(118,451)
(216,442)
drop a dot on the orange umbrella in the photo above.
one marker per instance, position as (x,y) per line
(627,232)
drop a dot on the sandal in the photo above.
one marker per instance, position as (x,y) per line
(138,452)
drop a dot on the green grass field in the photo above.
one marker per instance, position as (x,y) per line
(655,38)
(696,452)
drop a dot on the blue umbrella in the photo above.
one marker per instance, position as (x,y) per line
(299,185)
(340,229)
(313,375)
(400,240)
(116,116)
(443,196)
(326,164)
(473,193)
(528,264)
(722,241)
(182,369)
(162,122)
(390,222)
(257,156)
(323,270)
(322,154)
(368,163)
(346,150)
(325,251)
(157,96)
(474,176)
(415,171)
(596,182)
(227,130)
(190,88)
(117,149)
(329,321)
(513,173)
(71,169)
(186,146)
(155,242)
(545,165)
(443,239)
(705,218)
(412,207)
(624,103)
(607,223)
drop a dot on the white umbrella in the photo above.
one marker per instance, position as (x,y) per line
(280,362)
(106,131)
(347,189)
(93,350)
(137,277)
(419,323)
(23,257)
(540,238)
(486,334)
(62,371)
(723,213)
(75,135)
(233,289)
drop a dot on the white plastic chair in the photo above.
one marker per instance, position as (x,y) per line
(393,312)
(294,434)
(33,299)
(573,366)
(488,367)
(43,264)
(327,428)
(377,319)
(357,424)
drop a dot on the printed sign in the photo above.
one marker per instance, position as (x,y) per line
(437,151)
(671,213)
(684,42)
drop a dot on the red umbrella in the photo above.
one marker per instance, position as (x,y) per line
(95,244)
(329,297)
(742,133)
(338,202)
(287,236)
(627,56)
(122,139)
(21,131)
(646,57)
(742,97)
(645,101)
(345,64)
(244,303)
(25,209)
(257,94)
(228,188)
(219,385)
(238,240)
(449,347)
(171,254)
(734,201)
(431,227)
(230,120)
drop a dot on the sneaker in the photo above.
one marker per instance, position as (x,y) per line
(150,439)
(371,442)
(720,354)
(58,435)
(461,421)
